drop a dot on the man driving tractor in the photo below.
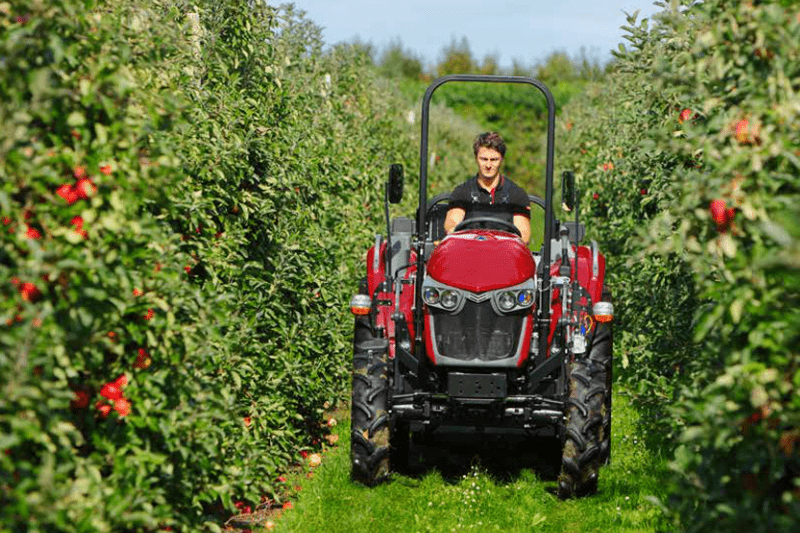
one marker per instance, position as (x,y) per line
(489,193)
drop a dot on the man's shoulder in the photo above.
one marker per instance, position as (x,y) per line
(466,184)
(508,182)
(515,191)
(463,190)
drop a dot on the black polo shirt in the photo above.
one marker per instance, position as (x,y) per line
(504,201)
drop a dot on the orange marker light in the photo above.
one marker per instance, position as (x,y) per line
(360,304)
(603,311)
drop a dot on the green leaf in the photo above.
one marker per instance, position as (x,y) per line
(76,119)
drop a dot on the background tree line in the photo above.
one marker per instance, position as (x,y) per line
(396,61)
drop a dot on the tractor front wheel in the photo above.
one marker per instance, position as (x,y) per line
(581,454)
(601,355)
(369,436)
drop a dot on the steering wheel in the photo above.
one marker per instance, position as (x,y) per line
(504,224)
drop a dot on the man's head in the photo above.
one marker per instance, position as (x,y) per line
(490,139)
(489,151)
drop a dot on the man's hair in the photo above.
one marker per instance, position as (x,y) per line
(490,139)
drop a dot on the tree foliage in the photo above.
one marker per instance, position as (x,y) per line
(456,58)
(688,161)
(397,62)
(178,184)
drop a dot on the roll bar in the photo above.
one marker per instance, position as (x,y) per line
(549,220)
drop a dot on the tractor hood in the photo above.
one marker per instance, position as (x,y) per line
(480,261)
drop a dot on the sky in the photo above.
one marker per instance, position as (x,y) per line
(523,30)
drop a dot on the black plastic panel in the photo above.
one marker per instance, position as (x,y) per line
(463,385)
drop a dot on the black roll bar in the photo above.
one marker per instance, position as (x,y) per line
(549,220)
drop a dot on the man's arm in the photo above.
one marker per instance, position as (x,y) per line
(454,216)
(523,224)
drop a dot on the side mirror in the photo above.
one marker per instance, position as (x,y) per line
(395,185)
(568,190)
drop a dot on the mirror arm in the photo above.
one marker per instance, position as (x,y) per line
(388,254)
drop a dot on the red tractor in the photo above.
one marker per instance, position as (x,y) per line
(473,330)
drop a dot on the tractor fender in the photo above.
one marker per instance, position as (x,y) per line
(384,301)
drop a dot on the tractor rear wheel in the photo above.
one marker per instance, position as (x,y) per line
(580,460)
(370,427)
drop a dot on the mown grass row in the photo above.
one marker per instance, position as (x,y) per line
(479,498)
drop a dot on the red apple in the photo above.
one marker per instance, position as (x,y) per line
(111,391)
(123,407)
(29,291)
(143,360)
(33,233)
(85,188)
(741,130)
(104,408)
(81,400)
(717,209)
(721,214)
(68,193)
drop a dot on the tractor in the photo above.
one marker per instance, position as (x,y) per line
(473,330)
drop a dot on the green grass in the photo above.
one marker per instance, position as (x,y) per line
(478,500)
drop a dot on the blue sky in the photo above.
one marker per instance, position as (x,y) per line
(526,31)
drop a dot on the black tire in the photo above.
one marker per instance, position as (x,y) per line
(580,459)
(361,332)
(601,356)
(369,436)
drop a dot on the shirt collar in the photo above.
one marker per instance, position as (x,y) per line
(499,184)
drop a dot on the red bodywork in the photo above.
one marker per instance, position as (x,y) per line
(375,278)
(586,279)
(480,261)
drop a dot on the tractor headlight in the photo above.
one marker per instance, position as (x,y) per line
(507,300)
(431,296)
(525,297)
(449,299)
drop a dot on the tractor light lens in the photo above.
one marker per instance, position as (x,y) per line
(360,304)
(603,311)
(525,297)
(449,299)
(507,300)
(431,296)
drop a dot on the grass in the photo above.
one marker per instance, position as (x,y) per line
(479,499)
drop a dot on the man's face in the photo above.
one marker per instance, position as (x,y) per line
(489,161)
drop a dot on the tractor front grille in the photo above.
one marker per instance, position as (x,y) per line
(477,333)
